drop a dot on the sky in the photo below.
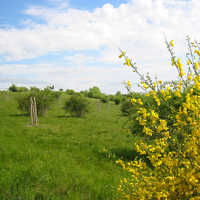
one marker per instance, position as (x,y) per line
(74,44)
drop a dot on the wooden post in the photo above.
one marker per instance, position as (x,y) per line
(33,112)
(98,106)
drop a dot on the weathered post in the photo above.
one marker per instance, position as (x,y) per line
(33,112)
(98,106)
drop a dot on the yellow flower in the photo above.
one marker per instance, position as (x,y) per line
(133,101)
(144,85)
(197,52)
(172,43)
(122,54)
(188,62)
(173,62)
(128,62)
(129,84)
(189,77)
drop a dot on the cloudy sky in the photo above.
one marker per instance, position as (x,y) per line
(74,44)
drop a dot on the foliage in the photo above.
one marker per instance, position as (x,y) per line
(44,99)
(70,92)
(77,105)
(63,158)
(104,99)
(13,88)
(117,100)
(94,92)
(126,107)
(169,134)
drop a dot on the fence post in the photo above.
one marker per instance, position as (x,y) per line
(33,112)
(98,106)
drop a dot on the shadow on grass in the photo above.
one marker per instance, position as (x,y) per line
(69,116)
(19,115)
(125,153)
(130,155)
(63,116)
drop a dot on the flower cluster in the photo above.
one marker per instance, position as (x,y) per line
(170,139)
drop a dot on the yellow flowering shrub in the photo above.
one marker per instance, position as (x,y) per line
(170,135)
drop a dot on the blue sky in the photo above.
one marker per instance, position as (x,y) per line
(75,44)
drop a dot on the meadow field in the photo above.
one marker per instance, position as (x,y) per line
(63,157)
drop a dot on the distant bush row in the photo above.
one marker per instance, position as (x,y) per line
(93,92)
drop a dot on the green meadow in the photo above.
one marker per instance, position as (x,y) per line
(63,157)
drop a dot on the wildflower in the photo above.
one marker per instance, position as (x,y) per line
(188,62)
(197,52)
(189,77)
(128,62)
(172,43)
(133,101)
(129,84)
(122,54)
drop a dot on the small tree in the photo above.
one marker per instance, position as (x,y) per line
(44,99)
(94,92)
(13,88)
(77,105)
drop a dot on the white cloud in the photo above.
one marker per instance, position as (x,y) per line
(79,59)
(137,27)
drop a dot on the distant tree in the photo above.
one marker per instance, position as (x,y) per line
(22,89)
(118,93)
(104,98)
(70,92)
(13,88)
(94,92)
(34,89)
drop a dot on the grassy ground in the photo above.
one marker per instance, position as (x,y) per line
(64,157)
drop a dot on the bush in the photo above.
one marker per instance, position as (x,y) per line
(94,92)
(117,100)
(77,105)
(126,107)
(104,99)
(44,99)
(22,89)
(12,88)
(167,121)
(70,92)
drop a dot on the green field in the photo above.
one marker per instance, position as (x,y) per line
(63,157)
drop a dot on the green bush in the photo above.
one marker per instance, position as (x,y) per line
(70,92)
(94,92)
(44,99)
(117,100)
(13,88)
(126,107)
(77,105)
(104,99)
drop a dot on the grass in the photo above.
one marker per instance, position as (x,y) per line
(64,157)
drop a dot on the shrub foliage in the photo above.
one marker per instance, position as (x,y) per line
(169,130)
(77,105)
(44,99)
